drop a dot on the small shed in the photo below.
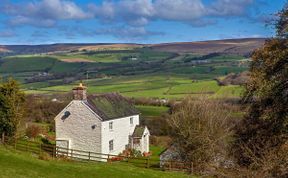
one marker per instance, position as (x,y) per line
(140,139)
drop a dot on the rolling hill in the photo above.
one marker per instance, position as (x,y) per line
(230,46)
(170,70)
(242,47)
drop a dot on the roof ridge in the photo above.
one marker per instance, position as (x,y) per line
(111,106)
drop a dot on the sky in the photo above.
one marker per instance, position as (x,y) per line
(134,21)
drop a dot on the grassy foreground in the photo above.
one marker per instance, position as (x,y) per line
(13,164)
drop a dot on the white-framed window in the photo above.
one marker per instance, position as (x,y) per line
(111,145)
(110,125)
(131,120)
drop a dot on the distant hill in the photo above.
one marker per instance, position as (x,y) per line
(241,47)
(54,48)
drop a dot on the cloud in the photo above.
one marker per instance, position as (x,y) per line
(124,18)
(44,13)
(125,33)
(7,34)
(128,33)
(132,12)
(180,10)
(141,12)
(239,35)
(229,7)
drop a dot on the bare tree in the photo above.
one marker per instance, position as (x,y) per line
(201,130)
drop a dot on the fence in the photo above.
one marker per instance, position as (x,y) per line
(80,155)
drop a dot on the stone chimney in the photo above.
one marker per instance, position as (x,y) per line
(80,92)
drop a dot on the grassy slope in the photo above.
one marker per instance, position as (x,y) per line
(24,165)
(171,80)
(26,64)
(152,110)
(149,86)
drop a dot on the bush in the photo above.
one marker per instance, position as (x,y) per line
(33,131)
(44,156)
(200,130)
(45,141)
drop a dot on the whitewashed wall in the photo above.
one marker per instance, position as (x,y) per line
(145,141)
(77,128)
(120,134)
(143,145)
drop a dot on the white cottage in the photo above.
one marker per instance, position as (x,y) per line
(102,123)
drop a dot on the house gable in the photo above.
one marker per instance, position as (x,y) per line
(80,126)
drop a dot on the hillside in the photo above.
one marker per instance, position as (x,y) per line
(160,71)
(54,48)
(242,47)
(230,46)
(25,165)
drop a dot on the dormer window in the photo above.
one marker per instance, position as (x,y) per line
(110,125)
(67,113)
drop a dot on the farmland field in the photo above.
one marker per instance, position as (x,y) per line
(145,86)
(140,72)
(152,111)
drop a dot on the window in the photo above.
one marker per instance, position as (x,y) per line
(110,125)
(131,120)
(111,145)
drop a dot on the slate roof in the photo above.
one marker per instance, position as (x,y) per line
(111,106)
(138,132)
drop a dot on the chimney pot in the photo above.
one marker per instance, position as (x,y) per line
(80,92)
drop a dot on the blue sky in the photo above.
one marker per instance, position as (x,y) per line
(133,21)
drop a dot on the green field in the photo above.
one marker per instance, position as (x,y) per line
(134,73)
(14,164)
(148,86)
(152,111)
(26,64)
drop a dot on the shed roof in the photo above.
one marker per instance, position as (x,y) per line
(138,132)
(111,106)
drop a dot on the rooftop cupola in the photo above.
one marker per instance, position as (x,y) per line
(80,92)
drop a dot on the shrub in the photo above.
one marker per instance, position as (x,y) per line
(44,156)
(33,131)
(200,130)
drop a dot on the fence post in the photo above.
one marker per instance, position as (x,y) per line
(15,143)
(71,153)
(170,165)
(3,138)
(108,158)
(40,148)
(147,163)
(27,145)
(191,167)
(54,151)
(89,156)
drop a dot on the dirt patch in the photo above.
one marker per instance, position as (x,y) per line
(71,60)
(234,79)
(110,47)
(242,47)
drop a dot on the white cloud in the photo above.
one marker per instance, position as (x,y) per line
(180,10)
(7,34)
(131,12)
(228,7)
(43,13)
(131,15)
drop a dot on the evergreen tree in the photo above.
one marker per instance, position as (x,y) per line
(11,106)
